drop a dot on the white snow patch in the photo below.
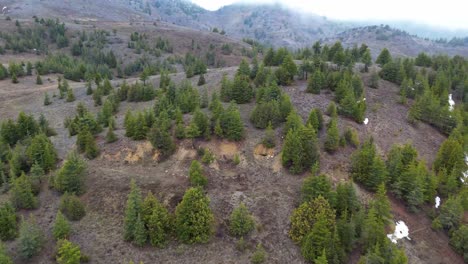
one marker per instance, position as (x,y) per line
(437,202)
(3,9)
(366,121)
(451,102)
(464,178)
(401,231)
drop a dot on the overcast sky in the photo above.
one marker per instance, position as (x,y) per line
(444,13)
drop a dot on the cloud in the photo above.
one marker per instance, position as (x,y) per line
(449,13)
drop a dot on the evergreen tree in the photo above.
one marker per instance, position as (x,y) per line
(194,219)
(14,78)
(269,140)
(4,258)
(292,152)
(374,231)
(367,167)
(374,80)
(316,83)
(367,60)
(315,186)
(384,57)
(322,259)
(451,214)
(91,148)
(132,211)
(159,225)
(162,141)
(110,136)
(231,123)
(71,176)
(259,256)
(61,228)
(72,207)
(331,110)
(42,151)
(8,222)
(70,95)
(140,233)
(201,80)
(332,142)
(241,222)
(307,214)
(39,80)
(196,176)
(47,99)
(244,68)
(89,88)
(31,238)
(68,253)
(293,122)
(459,241)
(317,240)
(382,205)
(22,196)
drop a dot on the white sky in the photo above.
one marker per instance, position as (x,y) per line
(444,13)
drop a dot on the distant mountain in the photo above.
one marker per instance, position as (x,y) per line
(268,23)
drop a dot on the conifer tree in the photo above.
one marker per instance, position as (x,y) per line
(367,167)
(384,57)
(70,95)
(140,233)
(4,258)
(31,238)
(293,122)
(39,80)
(241,222)
(244,68)
(201,80)
(8,222)
(382,205)
(132,211)
(367,60)
(89,88)
(269,140)
(72,207)
(68,253)
(317,240)
(91,148)
(331,110)
(332,142)
(315,186)
(162,141)
(231,123)
(22,196)
(316,83)
(159,223)
(14,78)
(71,176)
(292,152)
(110,136)
(42,151)
(47,99)
(194,219)
(196,177)
(61,228)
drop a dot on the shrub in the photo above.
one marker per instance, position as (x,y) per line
(259,256)
(68,253)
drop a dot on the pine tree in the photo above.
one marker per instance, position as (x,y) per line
(332,142)
(201,80)
(259,256)
(159,224)
(8,222)
(382,205)
(451,214)
(293,122)
(307,214)
(269,140)
(196,177)
(140,233)
(316,83)
(91,148)
(68,253)
(315,186)
(47,99)
(313,120)
(162,141)
(14,78)
(31,238)
(317,240)
(384,57)
(22,196)
(374,80)
(42,151)
(89,88)
(39,80)
(71,176)
(194,219)
(4,258)
(292,152)
(322,259)
(231,123)
(331,110)
(70,95)
(72,207)
(241,222)
(366,167)
(373,232)
(62,228)
(244,68)
(110,136)
(132,211)
(367,60)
